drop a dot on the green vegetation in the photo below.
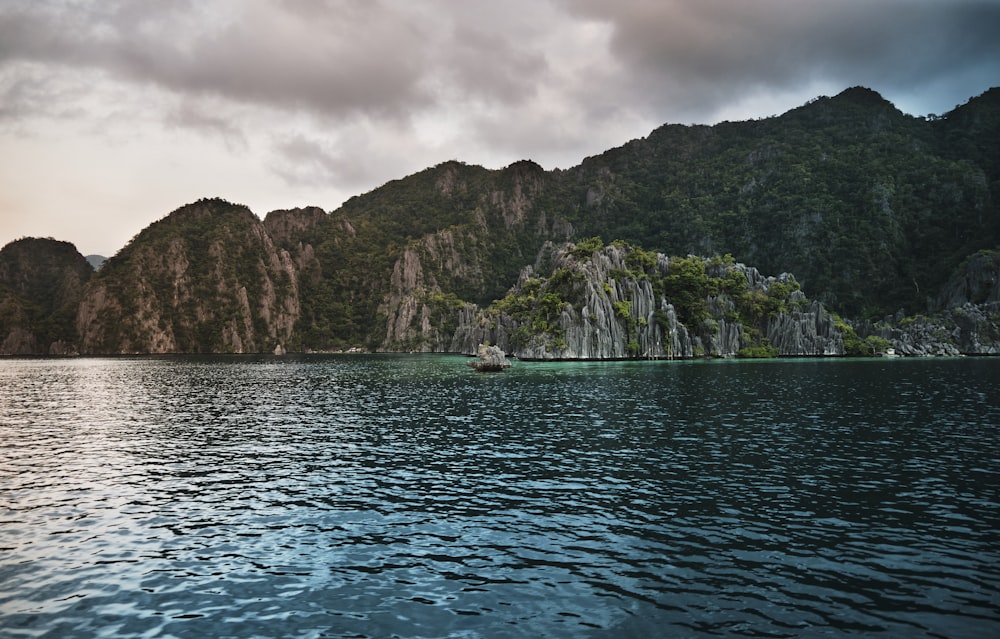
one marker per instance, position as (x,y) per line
(869,207)
(586,248)
(41,284)
(760,351)
(690,284)
(854,346)
(872,207)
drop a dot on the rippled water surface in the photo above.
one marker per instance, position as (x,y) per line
(378,496)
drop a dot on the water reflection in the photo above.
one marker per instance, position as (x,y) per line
(377,496)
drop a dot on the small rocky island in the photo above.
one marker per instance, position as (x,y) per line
(490,359)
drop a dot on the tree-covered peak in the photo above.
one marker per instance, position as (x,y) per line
(987,102)
(862,96)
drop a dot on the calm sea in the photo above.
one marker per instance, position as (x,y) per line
(408,496)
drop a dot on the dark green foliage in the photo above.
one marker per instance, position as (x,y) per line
(759,351)
(687,286)
(41,284)
(586,248)
(870,208)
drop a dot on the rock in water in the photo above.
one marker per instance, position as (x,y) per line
(490,359)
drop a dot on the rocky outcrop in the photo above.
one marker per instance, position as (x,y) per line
(490,359)
(434,274)
(966,320)
(970,329)
(419,315)
(290,228)
(977,328)
(808,330)
(207,278)
(41,284)
(975,281)
(613,303)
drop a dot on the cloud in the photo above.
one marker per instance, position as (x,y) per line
(335,62)
(693,57)
(203,116)
(330,98)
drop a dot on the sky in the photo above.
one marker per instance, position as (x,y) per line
(113,113)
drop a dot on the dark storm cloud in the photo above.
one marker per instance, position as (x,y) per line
(344,58)
(692,55)
(491,66)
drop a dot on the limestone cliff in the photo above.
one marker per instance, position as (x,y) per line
(589,301)
(967,319)
(475,261)
(419,315)
(207,278)
(975,281)
(41,284)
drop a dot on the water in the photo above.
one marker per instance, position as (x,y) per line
(407,496)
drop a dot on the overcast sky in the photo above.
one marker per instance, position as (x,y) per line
(115,112)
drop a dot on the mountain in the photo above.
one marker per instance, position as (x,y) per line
(872,210)
(619,302)
(41,285)
(207,278)
(96,261)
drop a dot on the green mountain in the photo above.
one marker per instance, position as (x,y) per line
(206,278)
(874,211)
(870,208)
(41,285)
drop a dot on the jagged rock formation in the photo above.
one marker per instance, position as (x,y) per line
(490,359)
(614,302)
(968,322)
(41,284)
(975,281)
(872,209)
(970,329)
(207,278)
(435,274)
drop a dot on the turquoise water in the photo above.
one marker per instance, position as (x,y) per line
(407,496)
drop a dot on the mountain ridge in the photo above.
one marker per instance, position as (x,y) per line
(870,208)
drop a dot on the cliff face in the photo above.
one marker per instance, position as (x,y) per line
(872,208)
(41,284)
(975,281)
(967,321)
(435,275)
(618,302)
(207,278)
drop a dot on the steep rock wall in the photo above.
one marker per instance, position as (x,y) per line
(41,284)
(207,278)
(613,304)
(975,281)
(435,275)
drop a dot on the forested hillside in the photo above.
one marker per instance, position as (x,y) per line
(41,284)
(871,209)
